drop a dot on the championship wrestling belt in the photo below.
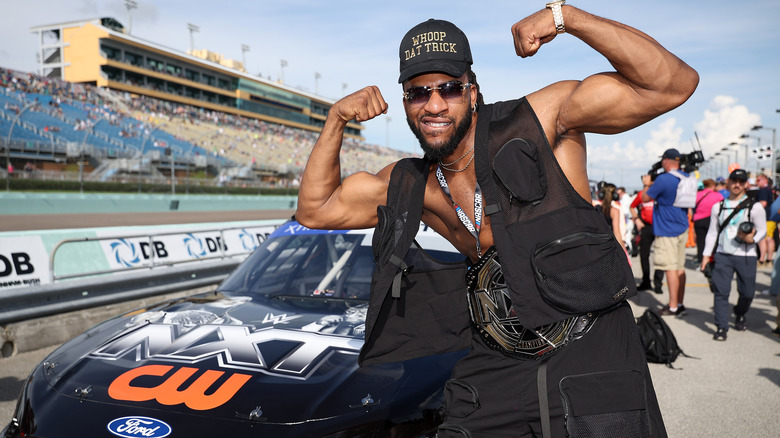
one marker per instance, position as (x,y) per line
(494,317)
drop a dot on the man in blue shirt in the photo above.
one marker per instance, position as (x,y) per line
(670,225)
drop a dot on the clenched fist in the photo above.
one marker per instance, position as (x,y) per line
(361,105)
(531,32)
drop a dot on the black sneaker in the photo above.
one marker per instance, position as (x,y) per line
(680,310)
(719,335)
(739,323)
(644,286)
(666,311)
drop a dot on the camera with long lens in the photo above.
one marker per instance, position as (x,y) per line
(745,228)
(688,163)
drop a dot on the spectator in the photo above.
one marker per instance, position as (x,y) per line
(732,249)
(609,205)
(625,209)
(642,218)
(765,197)
(670,225)
(705,199)
(720,187)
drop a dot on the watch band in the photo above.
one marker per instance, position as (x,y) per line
(555,7)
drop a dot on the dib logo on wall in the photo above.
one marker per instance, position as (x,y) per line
(195,246)
(248,240)
(125,253)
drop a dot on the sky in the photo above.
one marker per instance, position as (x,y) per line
(734,46)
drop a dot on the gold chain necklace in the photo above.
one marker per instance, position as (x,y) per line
(444,166)
(454,162)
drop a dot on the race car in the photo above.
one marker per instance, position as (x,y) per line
(272,352)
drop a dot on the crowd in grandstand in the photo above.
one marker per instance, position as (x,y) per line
(241,140)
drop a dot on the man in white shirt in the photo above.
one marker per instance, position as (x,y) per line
(735,251)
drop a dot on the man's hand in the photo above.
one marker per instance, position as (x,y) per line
(531,32)
(704,261)
(360,106)
(747,237)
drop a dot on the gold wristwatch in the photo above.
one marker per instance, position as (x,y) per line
(555,7)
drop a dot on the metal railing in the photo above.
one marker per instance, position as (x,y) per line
(96,288)
(153,260)
(30,302)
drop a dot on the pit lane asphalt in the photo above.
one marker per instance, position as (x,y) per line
(729,389)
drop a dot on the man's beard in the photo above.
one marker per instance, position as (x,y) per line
(447,148)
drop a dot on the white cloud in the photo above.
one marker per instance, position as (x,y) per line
(623,161)
(724,122)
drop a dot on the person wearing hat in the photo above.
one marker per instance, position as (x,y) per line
(497,181)
(736,224)
(670,225)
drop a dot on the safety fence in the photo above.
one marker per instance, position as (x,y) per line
(139,266)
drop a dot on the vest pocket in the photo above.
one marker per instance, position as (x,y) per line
(581,272)
(605,404)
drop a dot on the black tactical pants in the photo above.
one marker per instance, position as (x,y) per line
(602,378)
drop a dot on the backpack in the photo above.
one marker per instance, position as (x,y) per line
(657,339)
(686,190)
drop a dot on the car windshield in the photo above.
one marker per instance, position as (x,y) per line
(334,266)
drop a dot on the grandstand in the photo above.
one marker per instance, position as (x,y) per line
(47,124)
(121,108)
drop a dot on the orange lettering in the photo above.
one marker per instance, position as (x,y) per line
(168,393)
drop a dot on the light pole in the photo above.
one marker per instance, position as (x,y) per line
(130,5)
(244,49)
(283,63)
(91,130)
(758,141)
(734,143)
(141,155)
(725,151)
(189,159)
(774,144)
(317,78)
(192,28)
(717,156)
(8,147)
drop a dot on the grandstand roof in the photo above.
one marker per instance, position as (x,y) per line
(172,51)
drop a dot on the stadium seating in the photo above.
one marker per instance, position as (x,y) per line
(121,126)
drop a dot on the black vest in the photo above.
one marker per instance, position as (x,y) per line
(558,256)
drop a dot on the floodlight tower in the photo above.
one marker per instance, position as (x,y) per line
(244,49)
(130,5)
(283,64)
(192,28)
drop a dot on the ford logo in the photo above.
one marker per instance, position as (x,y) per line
(131,427)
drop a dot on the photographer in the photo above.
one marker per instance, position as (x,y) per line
(736,224)
(670,225)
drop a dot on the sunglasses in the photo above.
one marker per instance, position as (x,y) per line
(449,91)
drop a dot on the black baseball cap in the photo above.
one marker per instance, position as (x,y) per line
(738,175)
(672,154)
(434,46)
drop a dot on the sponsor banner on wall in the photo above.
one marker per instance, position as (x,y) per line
(179,247)
(24,261)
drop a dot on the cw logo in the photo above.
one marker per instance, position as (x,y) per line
(168,393)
